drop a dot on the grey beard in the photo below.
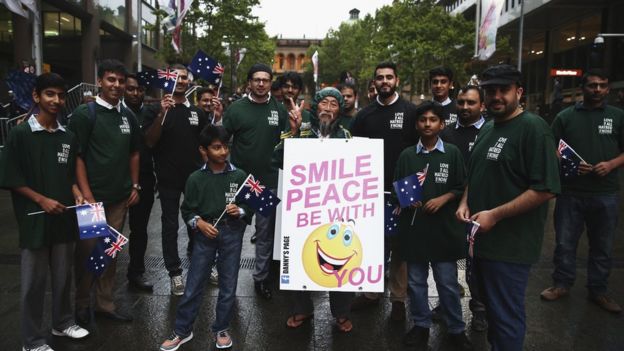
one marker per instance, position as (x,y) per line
(326,128)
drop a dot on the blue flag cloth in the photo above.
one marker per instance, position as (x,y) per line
(164,79)
(410,189)
(22,84)
(391,220)
(205,67)
(105,249)
(91,221)
(262,200)
(570,160)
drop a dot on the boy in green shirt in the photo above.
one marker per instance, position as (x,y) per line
(428,235)
(208,191)
(38,166)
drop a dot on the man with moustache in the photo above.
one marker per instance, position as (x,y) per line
(211,105)
(349,93)
(384,119)
(512,173)
(172,131)
(595,131)
(463,134)
(138,215)
(441,80)
(257,123)
(107,170)
(291,84)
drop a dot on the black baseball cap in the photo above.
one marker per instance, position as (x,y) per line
(500,75)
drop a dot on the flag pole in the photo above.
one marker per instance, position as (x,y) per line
(231,201)
(40,212)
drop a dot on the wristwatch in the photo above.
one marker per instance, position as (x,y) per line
(193,222)
(136,187)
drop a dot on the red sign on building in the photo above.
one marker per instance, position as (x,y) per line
(565,72)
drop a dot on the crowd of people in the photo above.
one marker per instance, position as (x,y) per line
(496,166)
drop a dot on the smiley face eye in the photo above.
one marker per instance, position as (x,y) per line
(333,231)
(347,237)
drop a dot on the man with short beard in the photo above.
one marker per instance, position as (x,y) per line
(138,216)
(211,105)
(441,80)
(513,172)
(384,119)
(257,123)
(349,93)
(595,131)
(172,131)
(291,84)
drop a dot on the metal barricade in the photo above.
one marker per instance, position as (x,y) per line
(78,95)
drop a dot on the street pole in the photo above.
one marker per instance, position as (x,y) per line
(37,42)
(520,35)
(477,22)
(139,35)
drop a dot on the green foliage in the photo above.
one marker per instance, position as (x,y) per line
(416,35)
(214,26)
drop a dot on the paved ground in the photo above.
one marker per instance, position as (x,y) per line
(571,324)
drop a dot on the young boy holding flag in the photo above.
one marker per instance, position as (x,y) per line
(38,166)
(428,232)
(208,191)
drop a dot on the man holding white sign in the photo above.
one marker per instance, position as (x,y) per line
(332,209)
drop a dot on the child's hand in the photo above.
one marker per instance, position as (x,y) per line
(433,205)
(207,229)
(232,210)
(51,206)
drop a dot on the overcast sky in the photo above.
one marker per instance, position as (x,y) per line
(296,18)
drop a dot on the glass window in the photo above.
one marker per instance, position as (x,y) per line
(6,26)
(51,24)
(66,24)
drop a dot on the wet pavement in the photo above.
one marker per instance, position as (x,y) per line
(570,324)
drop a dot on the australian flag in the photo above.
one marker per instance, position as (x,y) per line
(205,67)
(166,80)
(146,78)
(391,220)
(570,160)
(410,188)
(262,200)
(22,84)
(91,221)
(105,249)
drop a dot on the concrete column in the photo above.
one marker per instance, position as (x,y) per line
(90,44)
(22,39)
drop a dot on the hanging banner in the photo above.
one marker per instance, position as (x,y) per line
(490,15)
(332,215)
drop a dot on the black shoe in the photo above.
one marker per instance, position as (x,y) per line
(83,316)
(253,239)
(436,314)
(262,289)
(418,337)
(141,283)
(114,315)
(460,342)
(479,321)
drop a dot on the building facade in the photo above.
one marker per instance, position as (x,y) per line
(77,34)
(291,54)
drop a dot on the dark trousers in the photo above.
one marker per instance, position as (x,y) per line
(339,303)
(572,213)
(138,218)
(503,288)
(170,206)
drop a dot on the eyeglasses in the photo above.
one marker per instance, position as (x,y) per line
(261,80)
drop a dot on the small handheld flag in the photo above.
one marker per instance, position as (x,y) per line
(166,80)
(105,250)
(410,189)
(471,230)
(262,200)
(570,160)
(391,220)
(91,221)
(205,67)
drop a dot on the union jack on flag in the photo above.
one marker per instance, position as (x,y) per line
(104,252)
(410,189)
(91,221)
(115,246)
(262,200)
(218,69)
(167,74)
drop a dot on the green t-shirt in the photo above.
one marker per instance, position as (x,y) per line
(507,159)
(434,237)
(207,193)
(256,129)
(596,135)
(105,147)
(45,162)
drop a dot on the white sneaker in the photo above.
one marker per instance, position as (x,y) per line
(224,340)
(44,347)
(73,332)
(214,276)
(177,285)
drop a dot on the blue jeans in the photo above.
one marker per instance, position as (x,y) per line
(445,276)
(599,214)
(228,245)
(503,288)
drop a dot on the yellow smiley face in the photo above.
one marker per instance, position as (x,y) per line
(330,253)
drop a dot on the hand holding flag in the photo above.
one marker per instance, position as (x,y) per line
(409,190)
(570,160)
(471,230)
(91,221)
